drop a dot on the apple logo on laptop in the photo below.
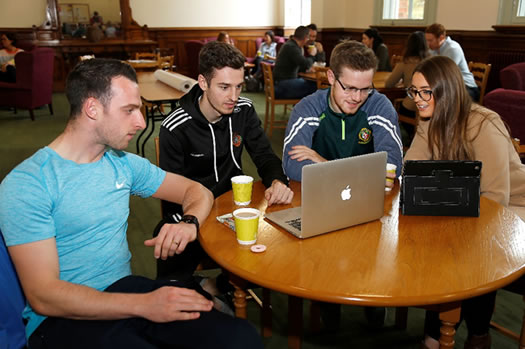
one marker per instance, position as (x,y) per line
(346,193)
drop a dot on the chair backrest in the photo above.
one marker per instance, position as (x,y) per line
(513,77)
(192,48)
(510,105)
(12,303)
(268,81)
(147,55)
(321,79)
(166,62)
(481,73)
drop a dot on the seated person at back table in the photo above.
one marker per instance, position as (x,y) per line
(314,49)
(350,118)
(266,53)
(203,139)
(290,61)
(446,111)
(7,57)
(442,45)
(64,212)
(225,37)
(373,40)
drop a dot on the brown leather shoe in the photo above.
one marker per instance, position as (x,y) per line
(478,342)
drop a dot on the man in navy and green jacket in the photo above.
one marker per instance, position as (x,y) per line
(350,118)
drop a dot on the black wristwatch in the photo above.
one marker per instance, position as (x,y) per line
(190,219)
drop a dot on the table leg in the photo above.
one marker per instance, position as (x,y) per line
(239,298)
(449,318)
(266,313)
(144,130)
(295,322)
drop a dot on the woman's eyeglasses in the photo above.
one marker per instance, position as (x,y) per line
(354,90)
(425,95)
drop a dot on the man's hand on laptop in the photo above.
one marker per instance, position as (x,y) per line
(302,152)
(278,193)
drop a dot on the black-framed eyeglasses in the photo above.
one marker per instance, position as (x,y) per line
(424,94)
(354,90)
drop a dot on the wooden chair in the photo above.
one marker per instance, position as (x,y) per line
(404,118)
(269,120)
(147,55)
(481,73)
(321,79)
(166,63)
(518,287)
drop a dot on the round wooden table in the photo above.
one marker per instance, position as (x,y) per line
(396,261)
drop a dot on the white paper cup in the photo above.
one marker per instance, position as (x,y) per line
(390,168)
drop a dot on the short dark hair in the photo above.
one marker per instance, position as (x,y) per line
(11,37)
(436,29)
(312,26)
(354,55)
(217,55)
(92,78)
(301,32)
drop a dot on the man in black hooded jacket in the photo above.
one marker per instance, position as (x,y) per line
(203,139)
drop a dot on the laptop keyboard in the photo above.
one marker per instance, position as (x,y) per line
(296,223)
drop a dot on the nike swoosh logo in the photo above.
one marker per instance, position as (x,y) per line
(119,185)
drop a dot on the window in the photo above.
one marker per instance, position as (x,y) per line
(511,12)
(404,12)
(297,12)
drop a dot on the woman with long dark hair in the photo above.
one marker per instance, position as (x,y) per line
(416,50)
(373,40)
(452,127)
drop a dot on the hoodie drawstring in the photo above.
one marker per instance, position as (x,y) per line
(214,154)
(231,144)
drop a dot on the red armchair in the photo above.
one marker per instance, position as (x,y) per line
(513,77)
(34,81)
(510,105)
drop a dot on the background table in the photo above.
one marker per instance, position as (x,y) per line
(398,260)
(154,93)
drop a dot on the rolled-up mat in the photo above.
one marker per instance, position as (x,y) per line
(175,80)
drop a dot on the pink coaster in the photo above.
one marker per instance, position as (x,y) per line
(258,248)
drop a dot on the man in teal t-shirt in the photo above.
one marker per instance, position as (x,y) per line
(63,214)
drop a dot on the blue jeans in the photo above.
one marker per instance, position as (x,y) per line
(294,88)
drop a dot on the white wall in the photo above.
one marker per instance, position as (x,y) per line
(15,14)
(206,13)
(453,14)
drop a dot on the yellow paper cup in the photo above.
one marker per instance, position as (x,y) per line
(390,168)
(242,190)
(246,225)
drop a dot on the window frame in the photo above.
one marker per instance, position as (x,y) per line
(429,16)
(507,13)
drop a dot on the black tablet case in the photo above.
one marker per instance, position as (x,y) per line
(440,188)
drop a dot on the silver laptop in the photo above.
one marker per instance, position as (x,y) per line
(335,195)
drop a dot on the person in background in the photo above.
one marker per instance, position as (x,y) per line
(442,45)
(64,213)
(290,61)
(7,57)
(225,37)
(415,51)
(204,138)
(110,31)
(267,52)
(451,127)
(96,19)
(373,40)
(314,49)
